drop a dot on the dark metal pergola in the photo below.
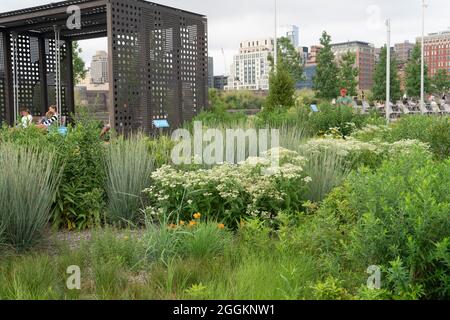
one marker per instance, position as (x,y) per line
(157,60)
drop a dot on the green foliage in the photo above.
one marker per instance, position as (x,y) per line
(327,169)
(379,78)
(128,166)
(440,83)
(79,66)
(281,88)
(80,198)
(229,193)
(194,239)
(206,240)
(79,201)
(330,289)
(235,100)
(413,72)
(326,82)
(28,184)
(403,209)
(432,130)
(290,57)
(219,115)
(125,248)
(348,74)
(343,118)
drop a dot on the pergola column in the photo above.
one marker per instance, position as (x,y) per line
(9,94)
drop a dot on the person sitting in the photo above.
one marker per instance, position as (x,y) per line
(105,130)
(27,118)
(51,118)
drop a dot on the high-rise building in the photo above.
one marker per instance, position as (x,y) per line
(210,72)
(251,67)
(304,54)
(99,68)
(220,82)
(437,51)
(365,60)
(312,56)
(291,32)
(403,51)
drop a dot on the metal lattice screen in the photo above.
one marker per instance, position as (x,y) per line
(157,60)
(29,92)
(50,62)
(3,110)
(159,63)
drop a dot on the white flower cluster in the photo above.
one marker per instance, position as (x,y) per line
(253,183)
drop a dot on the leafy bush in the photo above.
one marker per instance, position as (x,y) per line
(432,130)
(435,131)
(129,167)
(343,118)
(235,99)
(28,184)
(218,115)
(80,199)
(229,193)
(403,214)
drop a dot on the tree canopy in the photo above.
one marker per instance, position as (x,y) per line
(326,83)
(379,87)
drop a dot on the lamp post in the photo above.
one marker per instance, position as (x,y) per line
(275,54)
(388,70)
(422,65)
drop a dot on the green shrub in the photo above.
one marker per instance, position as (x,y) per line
(235,99)
(28,183)
(128,166)
(404,214)
(435,131)
(80,198)
(343,118)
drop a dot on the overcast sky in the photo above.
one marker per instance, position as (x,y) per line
(232,21)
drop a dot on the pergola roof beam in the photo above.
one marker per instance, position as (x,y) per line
(59,21)
(11,17)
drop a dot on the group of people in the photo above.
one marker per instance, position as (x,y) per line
(50,118)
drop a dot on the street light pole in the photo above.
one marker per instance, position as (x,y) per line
(422,65)
(275,55)
(388,70)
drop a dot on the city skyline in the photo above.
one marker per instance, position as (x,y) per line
(233,21)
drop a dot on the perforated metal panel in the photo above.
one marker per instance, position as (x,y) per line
(2,82)
(29,92)
(50,61)
(157,59)
(159,63)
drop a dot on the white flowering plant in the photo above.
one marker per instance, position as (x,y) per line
(230,193)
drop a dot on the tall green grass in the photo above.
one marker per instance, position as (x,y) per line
(327,169)
(129,166)
(28,182)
